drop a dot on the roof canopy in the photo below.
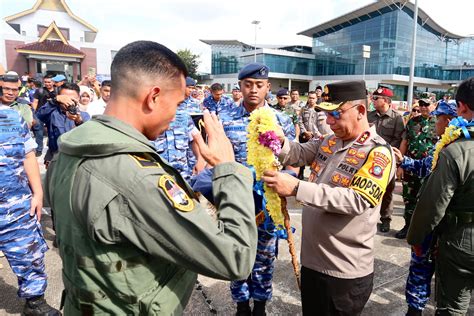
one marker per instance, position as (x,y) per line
(52,5)
(375,9)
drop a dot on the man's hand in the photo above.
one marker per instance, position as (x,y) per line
(65,101)
(280,134)
(36,206)
(399,173)
(199,166)
(77,118)
(218,148)
(282,183)
(308,135)
(398,155)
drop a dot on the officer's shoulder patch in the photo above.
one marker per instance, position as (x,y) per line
(175,194)
(372,178)
(145,163)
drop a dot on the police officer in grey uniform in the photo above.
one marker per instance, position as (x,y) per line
(389,124)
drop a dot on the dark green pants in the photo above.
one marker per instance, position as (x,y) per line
(454,279)
(411,187)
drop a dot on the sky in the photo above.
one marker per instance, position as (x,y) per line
(180,24)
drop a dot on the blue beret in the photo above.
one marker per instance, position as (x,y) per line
(282,92)
(190,82)
(446,108)
(255,71)
(58,78)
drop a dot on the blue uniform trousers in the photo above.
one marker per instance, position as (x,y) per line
(22,242)
(259,284)
(418,288)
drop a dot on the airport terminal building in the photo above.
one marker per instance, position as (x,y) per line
(442,58)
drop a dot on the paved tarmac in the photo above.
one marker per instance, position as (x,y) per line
(388,298)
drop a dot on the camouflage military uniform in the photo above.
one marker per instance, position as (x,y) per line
(421,136)
(418,288)
(191,105)
(224,104)
(259,284)
(174,144)
(21,238)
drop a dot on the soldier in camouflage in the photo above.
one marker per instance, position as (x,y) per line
(176,144)
(21,238)
(418,287)
(254,86)
(418,139)
(190,104)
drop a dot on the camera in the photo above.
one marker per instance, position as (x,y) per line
(73,109)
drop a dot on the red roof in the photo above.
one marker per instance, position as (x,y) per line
(51,47)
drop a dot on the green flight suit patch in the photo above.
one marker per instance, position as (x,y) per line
(176,194)
(145,163)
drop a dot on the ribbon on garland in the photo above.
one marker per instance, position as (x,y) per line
(463,125)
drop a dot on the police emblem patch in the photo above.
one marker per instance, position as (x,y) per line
(176,194)
(379,164)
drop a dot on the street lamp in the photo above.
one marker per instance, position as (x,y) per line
(255,22)
(365,55)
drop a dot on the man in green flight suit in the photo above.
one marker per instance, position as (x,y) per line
(130,233)
(445,204)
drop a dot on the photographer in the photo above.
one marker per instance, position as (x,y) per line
(61,115)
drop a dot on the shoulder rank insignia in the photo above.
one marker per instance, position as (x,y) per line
(176,194)
(145,163)
(326,149)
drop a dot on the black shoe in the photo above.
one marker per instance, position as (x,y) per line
(38,154)
(37,306)
(385,226)
(259,308)
(243,309)
(402,233)
(413,312)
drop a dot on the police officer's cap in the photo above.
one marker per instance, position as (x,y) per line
(383,92)
(255,71)
(338,93)
(190,82)
(282,92)
(446,108)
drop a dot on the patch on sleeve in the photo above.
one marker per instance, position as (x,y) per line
(176,194)
(145,163)
(372,178)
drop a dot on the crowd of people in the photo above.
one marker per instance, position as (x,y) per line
(125,163)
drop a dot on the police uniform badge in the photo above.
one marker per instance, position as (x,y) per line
(176,194)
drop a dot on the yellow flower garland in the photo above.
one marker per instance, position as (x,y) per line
(450,135)
(262,158)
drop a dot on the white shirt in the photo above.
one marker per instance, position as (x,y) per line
(96,108)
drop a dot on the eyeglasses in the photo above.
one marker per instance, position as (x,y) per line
(423,104)
(376,97)
(337,113)
(282,97)
(415,111)
(10,89)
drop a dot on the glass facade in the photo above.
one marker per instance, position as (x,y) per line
(389,34)
(338,50)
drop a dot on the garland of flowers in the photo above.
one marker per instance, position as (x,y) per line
(262,146)
(451,133)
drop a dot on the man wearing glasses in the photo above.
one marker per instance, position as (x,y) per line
(10,90)
(350,171)
(389,125)
(418,140)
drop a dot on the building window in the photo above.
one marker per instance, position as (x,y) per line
(23,33)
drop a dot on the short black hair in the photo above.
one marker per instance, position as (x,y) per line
(70,86)
(48,77)
(311,92)
(216,87)
(294,90)
(143,58)
(106,83)
(465,93)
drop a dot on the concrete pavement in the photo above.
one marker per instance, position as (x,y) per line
(391,266)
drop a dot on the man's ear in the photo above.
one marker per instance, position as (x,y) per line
(152,98)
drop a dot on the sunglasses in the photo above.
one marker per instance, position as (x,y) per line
(415,111)
(423,105)
(376,98)
(337,113)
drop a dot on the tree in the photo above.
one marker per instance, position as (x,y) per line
(190,60)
